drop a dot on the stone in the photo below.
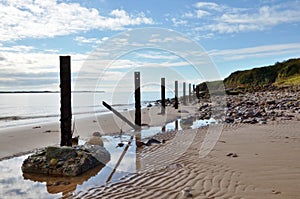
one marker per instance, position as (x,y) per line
(65,161)
(234,155)
(152,141)
(97,134)
(187,193)
(95,140)
(98,152)
(60,153)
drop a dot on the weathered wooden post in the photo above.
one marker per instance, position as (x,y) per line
(176,95)
(184,98)
(65,101)
(137,96)
(163,95)
(190,93)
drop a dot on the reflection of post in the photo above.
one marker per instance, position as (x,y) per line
(137,96)
(190,92)
(138,151)
(163,96)
(184,99)
(119,160)
(65,95)
(176,125)
(176,95)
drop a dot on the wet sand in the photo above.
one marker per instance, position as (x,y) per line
(248,161)
(265,164)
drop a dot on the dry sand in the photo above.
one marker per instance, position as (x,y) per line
(16,141)
(267,166)
(267,163)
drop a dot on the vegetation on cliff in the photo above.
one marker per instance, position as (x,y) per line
(280,74)
(286,73)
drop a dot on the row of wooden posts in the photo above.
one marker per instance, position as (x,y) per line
(66,110)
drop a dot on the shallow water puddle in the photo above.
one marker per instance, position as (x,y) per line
(15,184)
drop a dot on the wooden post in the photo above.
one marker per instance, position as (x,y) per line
(163,129)
(176,95)
(184,98)
(135,127)
(163,95)
(190,93)
(193,88)
(65,101)
(137,96)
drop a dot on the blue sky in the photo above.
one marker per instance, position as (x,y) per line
(235,35)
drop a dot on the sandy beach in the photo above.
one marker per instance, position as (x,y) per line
(20,140)
(258,160)
(266,166)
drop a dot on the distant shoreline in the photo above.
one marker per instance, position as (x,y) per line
(13,92)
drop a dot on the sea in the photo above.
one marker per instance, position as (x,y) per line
(21,109)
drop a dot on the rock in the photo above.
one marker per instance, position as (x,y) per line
(234,155)
(229,154)
(121,144)
(229,120)
(60,153)
(53,162)
(65,161)
(250,121)
(271,102)
(187,121)
(95,140)
(99,152)
(152,141)
(262,122)
(97,134)
(149,105)
(187,193)
(139,144)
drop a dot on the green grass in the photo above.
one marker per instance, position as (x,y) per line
(294,80)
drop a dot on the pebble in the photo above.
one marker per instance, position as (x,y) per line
(259,107)
(187,193)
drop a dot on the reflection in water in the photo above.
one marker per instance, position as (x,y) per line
(14,184)
(62,185)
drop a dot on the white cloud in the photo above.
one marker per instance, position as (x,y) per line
(224,19)
(178,22)
(263,18)
(85,40)
(255,52)
(201,13)
(43,19)
(209,6)
(158,56)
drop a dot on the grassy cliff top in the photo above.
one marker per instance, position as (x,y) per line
(280,74)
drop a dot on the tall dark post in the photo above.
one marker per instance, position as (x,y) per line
(193,88)
(65,100)
(176,95)
(137,96)
(190,93)
(163,95)
(184,97)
